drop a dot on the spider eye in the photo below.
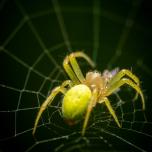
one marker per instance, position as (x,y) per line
(75,102)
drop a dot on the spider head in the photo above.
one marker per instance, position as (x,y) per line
(95,80)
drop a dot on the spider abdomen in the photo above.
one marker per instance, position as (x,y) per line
(75,102)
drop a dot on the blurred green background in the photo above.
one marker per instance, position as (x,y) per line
(35,36)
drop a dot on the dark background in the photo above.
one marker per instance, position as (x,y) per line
(33,44)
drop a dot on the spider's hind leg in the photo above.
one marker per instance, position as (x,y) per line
(69,71)
(49,100)
(75,65)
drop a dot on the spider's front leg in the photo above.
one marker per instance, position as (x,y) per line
(123,73)
(112,88)
(49,100)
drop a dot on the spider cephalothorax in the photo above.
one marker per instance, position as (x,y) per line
(81,93)
(95,80)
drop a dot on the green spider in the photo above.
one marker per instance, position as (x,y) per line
(81,94)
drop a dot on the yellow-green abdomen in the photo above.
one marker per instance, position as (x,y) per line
(75,102)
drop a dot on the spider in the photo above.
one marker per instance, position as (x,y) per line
(81,94)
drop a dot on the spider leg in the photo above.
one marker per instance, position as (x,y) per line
(75,66)
(121,74)
(49,100)
(67,83)
(129,82)
(69,71)
(111,110)
(89,109)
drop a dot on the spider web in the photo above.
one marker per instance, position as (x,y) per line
(36,36)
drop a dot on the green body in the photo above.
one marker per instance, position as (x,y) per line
(75,102)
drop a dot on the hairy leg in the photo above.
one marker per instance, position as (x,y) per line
(129,82)
(49,100)
(111,110)
(69,71)
(75,66)
(123,73)
(89,109)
